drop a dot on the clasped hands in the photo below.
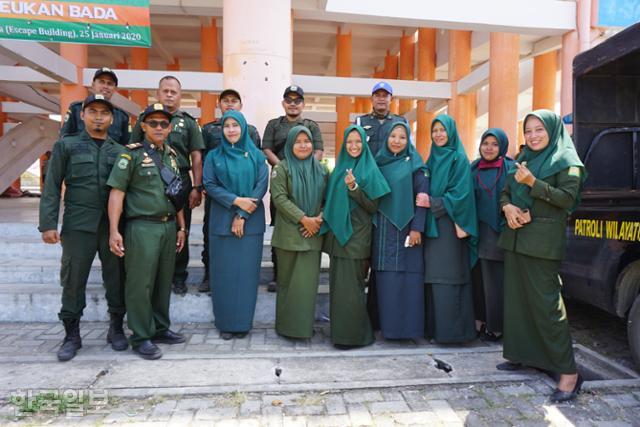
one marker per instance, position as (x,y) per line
(310,225)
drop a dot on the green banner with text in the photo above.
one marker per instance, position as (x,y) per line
(105,22)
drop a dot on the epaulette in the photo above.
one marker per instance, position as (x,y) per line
(173,152)
(134,146)
(213,123)
(188,115)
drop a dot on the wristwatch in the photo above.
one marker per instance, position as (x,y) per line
(197,187)
(184,229)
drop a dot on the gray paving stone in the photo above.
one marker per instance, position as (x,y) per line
(384,420)
(163,410)
(294,421)
(335,404)
(194,403)
(362,396)
(359,414)
(215,413)
(181,418)
(196,339)
(471,404)
(388,407)
(328,421)
(416,418)
(516,390)
(624,400)
(296,410)
(443,411)
(250,407)
(392,395)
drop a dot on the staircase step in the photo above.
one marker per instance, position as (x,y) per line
(41,303)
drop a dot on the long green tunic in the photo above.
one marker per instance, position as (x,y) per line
(350,324)
(536,329)
(298,261)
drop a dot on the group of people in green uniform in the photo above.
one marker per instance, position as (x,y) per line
(441,249)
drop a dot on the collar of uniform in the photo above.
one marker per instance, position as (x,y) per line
(285,119)
(88,138)
(154,147)
(374,115)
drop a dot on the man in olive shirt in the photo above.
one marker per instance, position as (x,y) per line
(376,123)
(104,83)
(212,134)
(151,237)
(185,138)
(83,163)
(275,137)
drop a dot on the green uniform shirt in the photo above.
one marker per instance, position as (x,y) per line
(137,175)
(84,168)
(275,134)
(212,135)
(286,234)
(119,130)
(184,138)
(376,128)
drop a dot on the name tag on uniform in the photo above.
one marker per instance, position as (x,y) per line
(574,171)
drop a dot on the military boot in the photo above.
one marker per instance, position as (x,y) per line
(116,336)
(72,341)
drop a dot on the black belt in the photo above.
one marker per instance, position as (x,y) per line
(165,218)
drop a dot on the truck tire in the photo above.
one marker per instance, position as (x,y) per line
(633,330)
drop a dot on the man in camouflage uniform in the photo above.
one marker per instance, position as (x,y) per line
(104,83)
(275,137)
(186,139)
(212,134)
(151,238)
(83,162)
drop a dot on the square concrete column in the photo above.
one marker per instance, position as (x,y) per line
(426,73)
(545,68)
(140,61)
(462,107)
(343,69)
(208,62)
(406,67)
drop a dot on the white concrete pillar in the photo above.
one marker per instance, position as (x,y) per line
(257,52)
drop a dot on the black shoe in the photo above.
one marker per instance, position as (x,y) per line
(271,287)
(115,335)
(490,336)
(179,288)
(509,366)
(148,350)
(204,286)
(559,396)
(240,334)
(226,335)
(72,341)
(169,337)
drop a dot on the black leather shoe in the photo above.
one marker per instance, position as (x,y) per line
(148,350)
(169,337)
(204,286)
(226,335)
(559,396)
(272,286)
(509,366)
(240,334)
(179,288)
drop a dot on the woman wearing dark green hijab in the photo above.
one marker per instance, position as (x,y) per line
(354,187)
(450,236)
(396,251)
(489,175)
(235,177)
(297,189)
(540,192)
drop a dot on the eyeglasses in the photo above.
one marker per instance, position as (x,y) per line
(296,101)
(155,123)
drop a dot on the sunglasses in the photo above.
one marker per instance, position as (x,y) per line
(155,123)
(296,101)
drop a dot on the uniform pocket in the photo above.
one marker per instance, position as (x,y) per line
(82,165)
(148,171)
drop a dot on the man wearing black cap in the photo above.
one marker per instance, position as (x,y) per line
(185,137)
(275,137)
(83,162)
(152,236)
(104,83)
(375,123)
(212,135)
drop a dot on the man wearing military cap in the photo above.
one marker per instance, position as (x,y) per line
(83,162)
(275,137)
(229,99)
(151,237)
(185,138)
(104,83)
(376,123)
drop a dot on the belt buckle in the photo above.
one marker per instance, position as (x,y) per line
(164,218)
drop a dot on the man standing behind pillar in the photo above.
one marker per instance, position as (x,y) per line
(104,83)
(83,162)
(186,139)
(275,137)
(377,121)
(212,136)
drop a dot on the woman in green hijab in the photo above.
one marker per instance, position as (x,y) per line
(396,250)
(540,192)
(297,188)
(354,187)
(450,237)
(235,177)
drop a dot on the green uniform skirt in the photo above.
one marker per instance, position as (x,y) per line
(298,276)
(350,323)
(536,329)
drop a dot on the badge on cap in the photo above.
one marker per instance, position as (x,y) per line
(158,106)
(99,96)
(293,88)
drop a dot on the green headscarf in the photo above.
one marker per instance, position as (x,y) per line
(307,176)
(451,179)
(398,205)
(237,165)
(337,210)
(559,155)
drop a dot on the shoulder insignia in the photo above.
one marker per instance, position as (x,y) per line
(123,162)
(367,127)
(187,114)
(173,152)
(125,155)
(134,146)
(274,173)
(574,171)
